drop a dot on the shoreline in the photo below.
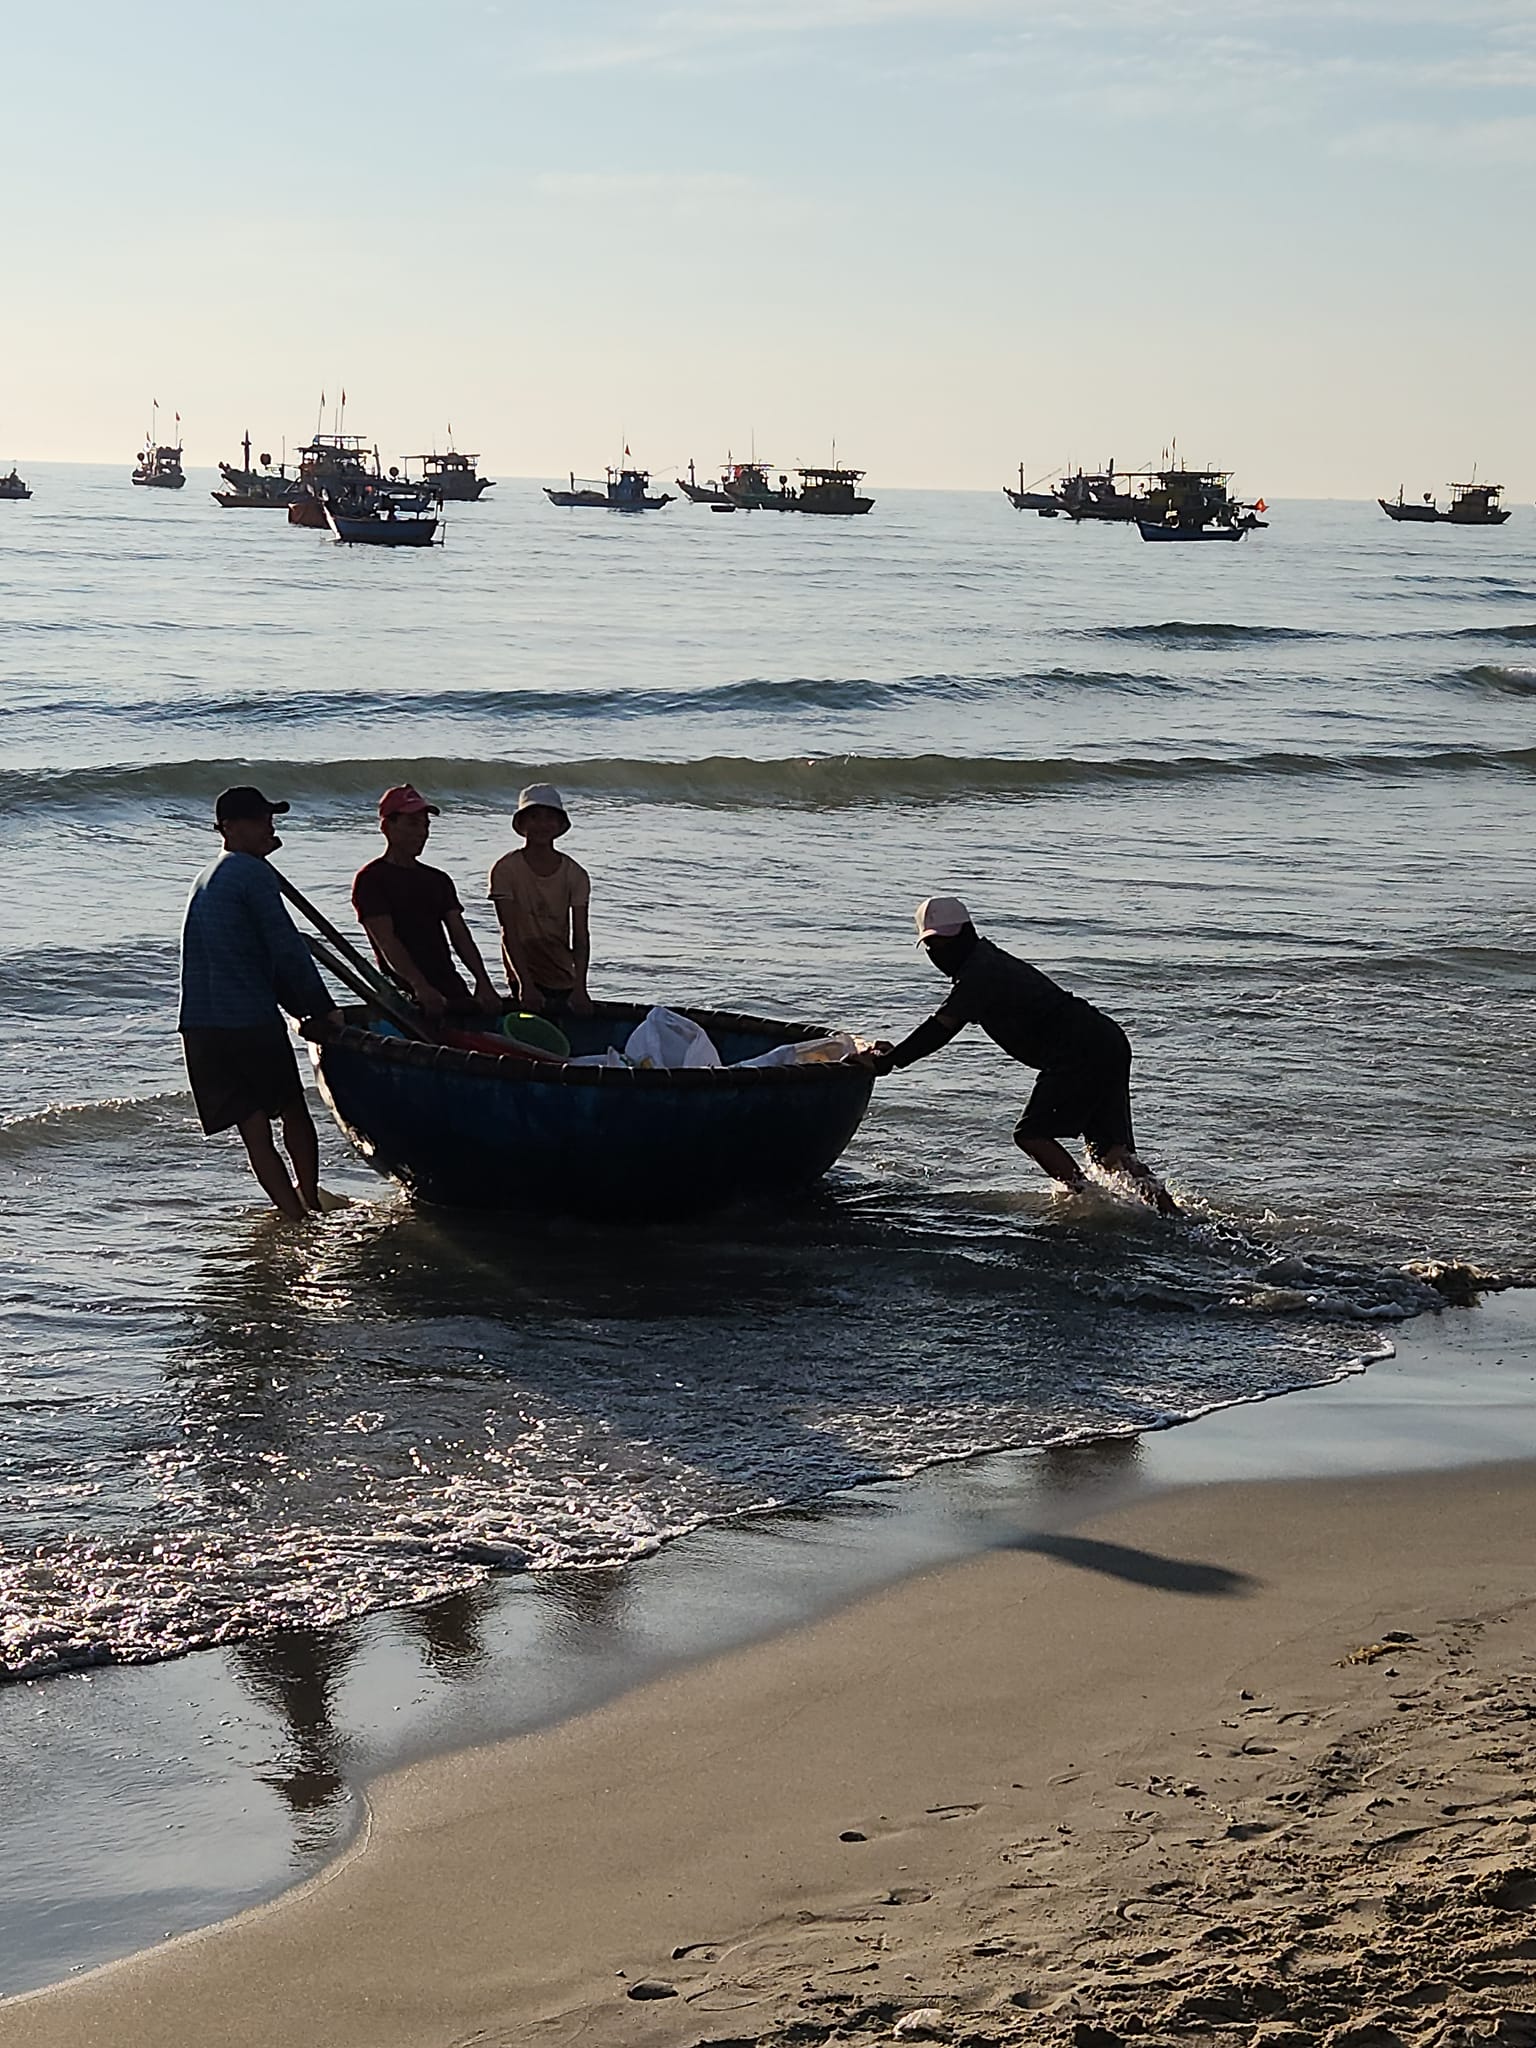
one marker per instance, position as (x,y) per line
(1458,1392)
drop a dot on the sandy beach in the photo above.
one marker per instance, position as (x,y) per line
(1248,1760)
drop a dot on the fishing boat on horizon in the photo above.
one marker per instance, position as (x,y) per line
(12,486)
(625,490)
(1472,504)
(742,487)
(1195,504)
(382,523)
(748,487)
(256,490)
(159,466)
(831,491)
(1047,504)
(344,470)
(451,475)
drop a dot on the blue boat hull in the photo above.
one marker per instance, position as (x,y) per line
(474,1130)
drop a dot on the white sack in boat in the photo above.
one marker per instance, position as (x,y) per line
(812,1052)
(664,1039)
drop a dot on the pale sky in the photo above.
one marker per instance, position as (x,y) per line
(950,233)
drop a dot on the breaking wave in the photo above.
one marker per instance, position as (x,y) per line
(1492,675)
(815,781)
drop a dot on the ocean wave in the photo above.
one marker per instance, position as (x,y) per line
(814,781)
(101,979)
(1522,635)
(752,693)
(1492,675)
(1194,633)
(70,1124)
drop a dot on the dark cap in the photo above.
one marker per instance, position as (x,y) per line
(244,801)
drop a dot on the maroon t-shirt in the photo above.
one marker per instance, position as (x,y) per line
(418,899)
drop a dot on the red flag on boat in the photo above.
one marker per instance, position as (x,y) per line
(1261,506)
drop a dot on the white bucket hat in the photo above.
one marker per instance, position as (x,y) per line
(541,795)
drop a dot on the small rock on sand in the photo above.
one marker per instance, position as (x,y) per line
(652,1987)
(926,2023)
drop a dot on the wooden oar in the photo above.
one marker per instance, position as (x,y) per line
(340,957)
(377,998)
(353,968)
(343,945)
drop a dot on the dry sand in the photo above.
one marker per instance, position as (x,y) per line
(1242,1763)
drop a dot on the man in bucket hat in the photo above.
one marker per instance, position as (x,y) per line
(242,963)
(543,900)
(1083,1057)
(412,913)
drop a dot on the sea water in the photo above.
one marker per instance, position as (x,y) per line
(1267,804)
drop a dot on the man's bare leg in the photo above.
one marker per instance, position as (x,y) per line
(256,1134)
(303,1147)
(1120,1159)
(1055,1160)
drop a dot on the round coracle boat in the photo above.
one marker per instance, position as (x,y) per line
(490,1130)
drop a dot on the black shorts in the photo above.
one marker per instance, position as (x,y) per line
(1090,1099)
(240,1073)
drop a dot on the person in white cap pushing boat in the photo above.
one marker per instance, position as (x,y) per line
(542,900)
(1083,1057)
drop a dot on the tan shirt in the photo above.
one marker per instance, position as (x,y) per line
(538,910)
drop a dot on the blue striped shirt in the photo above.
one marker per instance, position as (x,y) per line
(241,954)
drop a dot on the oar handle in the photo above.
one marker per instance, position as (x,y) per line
(352,967)
(391,1005)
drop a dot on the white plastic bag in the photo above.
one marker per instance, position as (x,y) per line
(810,1052)
(664,1039)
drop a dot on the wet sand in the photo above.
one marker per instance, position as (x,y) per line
(1247,1758)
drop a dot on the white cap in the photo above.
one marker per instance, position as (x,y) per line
(940,917)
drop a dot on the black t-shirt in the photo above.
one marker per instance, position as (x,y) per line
(1030,1016)
(418,899)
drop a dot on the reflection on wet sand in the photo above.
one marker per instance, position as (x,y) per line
(295,1675)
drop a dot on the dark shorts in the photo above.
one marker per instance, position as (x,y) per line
(1089,1099)
(237,1074)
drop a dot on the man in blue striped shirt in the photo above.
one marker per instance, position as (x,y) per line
(242,957)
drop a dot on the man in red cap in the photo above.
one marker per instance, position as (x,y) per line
(412,913)
(1084,1058)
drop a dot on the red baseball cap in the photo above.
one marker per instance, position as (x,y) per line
(403,802)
